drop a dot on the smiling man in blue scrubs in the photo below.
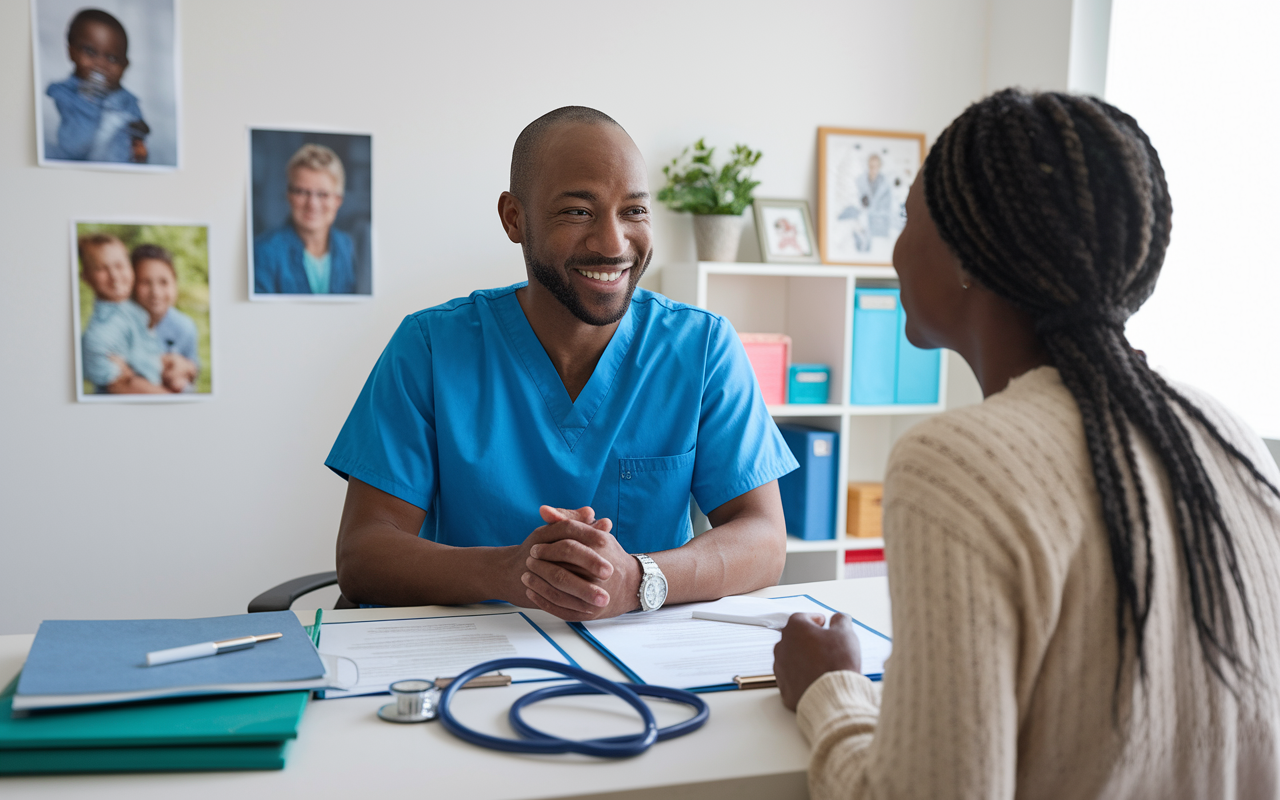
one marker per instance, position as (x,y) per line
(538,443)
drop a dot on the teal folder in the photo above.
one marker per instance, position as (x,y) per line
(875,346)
(268,755)
(237,732)
(918,370)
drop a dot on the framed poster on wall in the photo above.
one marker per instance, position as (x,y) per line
(863,179)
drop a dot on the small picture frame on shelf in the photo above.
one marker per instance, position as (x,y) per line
(785,230)
(863,179)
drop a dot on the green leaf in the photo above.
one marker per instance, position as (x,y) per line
(695,185)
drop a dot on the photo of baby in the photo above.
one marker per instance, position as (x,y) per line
(106,83)
(142,308)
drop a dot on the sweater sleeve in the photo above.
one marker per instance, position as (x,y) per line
(947,721)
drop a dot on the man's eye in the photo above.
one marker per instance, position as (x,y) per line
(577,211)
(638,211)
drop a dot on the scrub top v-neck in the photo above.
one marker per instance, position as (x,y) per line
(465,416)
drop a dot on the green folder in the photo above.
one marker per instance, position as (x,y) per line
(221,733)
(270,755)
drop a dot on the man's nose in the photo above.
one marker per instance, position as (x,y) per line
(608,238)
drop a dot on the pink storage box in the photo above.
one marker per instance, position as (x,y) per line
(770,357)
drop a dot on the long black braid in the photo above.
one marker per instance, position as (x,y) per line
(1058,203)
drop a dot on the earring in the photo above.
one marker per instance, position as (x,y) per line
(964,283)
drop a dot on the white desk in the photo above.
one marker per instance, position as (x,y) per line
(750,748)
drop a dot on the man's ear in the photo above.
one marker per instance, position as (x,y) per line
(511,212)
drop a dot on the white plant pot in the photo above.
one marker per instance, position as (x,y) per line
(717,236)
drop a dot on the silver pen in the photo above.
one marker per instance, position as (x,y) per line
(188,652)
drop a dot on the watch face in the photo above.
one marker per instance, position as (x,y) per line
(655,592)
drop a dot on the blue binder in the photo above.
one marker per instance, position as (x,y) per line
(918,369)
(809,493)
(875,346)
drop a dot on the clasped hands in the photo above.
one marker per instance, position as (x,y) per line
(574,568)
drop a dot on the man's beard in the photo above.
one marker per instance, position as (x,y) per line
(557,282)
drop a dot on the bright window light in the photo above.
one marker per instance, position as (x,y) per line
(1203,80)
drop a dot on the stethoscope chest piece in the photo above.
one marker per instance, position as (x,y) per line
(416,701)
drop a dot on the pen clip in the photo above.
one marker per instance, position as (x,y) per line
(480,682)
(755,681)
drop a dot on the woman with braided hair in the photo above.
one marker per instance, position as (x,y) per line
(1082,567)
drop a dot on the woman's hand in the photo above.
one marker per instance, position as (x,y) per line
(808,651)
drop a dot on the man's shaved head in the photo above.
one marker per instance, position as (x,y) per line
(524,156)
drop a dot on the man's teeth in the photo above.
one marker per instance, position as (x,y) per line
(607,277)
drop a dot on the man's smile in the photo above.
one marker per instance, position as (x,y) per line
(607,277)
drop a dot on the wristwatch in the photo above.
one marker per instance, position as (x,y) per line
(653,585)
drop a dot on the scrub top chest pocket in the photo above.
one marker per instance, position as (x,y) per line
(653,502)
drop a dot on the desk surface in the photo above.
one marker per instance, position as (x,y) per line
(750,747)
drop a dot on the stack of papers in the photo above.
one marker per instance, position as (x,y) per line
(80,663)
(372,655)
(668,647)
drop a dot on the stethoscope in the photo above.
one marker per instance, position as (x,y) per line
(421,701)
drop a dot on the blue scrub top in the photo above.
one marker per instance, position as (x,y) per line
(465,416)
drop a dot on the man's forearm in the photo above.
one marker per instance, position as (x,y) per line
(738,557)
(387,567)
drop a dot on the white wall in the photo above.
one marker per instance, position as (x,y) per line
(130,510)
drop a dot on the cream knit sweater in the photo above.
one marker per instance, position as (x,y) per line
(1004,620)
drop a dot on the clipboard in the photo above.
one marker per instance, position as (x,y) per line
(632,671)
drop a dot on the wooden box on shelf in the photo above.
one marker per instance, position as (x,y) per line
(865,509)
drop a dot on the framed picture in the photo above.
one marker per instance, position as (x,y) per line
(310,215)
(106,84)
(863,179)
(140,303)
(786,231)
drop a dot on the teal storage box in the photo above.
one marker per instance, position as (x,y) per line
(808,383)
(888,369)
(918,370)
(876,322)
(809,493)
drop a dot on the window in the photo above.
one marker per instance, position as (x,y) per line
(1203,80)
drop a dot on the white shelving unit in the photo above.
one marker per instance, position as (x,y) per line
(813,304)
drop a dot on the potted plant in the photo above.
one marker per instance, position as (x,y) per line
(715,197)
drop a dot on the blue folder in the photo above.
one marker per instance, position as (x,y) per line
(83,657)
(875,346)
(809,493)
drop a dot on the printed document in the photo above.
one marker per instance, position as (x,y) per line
(375,654)
(668,647)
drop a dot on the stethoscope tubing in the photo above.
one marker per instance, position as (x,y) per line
(701,711)
(538,742)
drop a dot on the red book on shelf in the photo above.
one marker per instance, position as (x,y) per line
(770,357)
(859,556)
